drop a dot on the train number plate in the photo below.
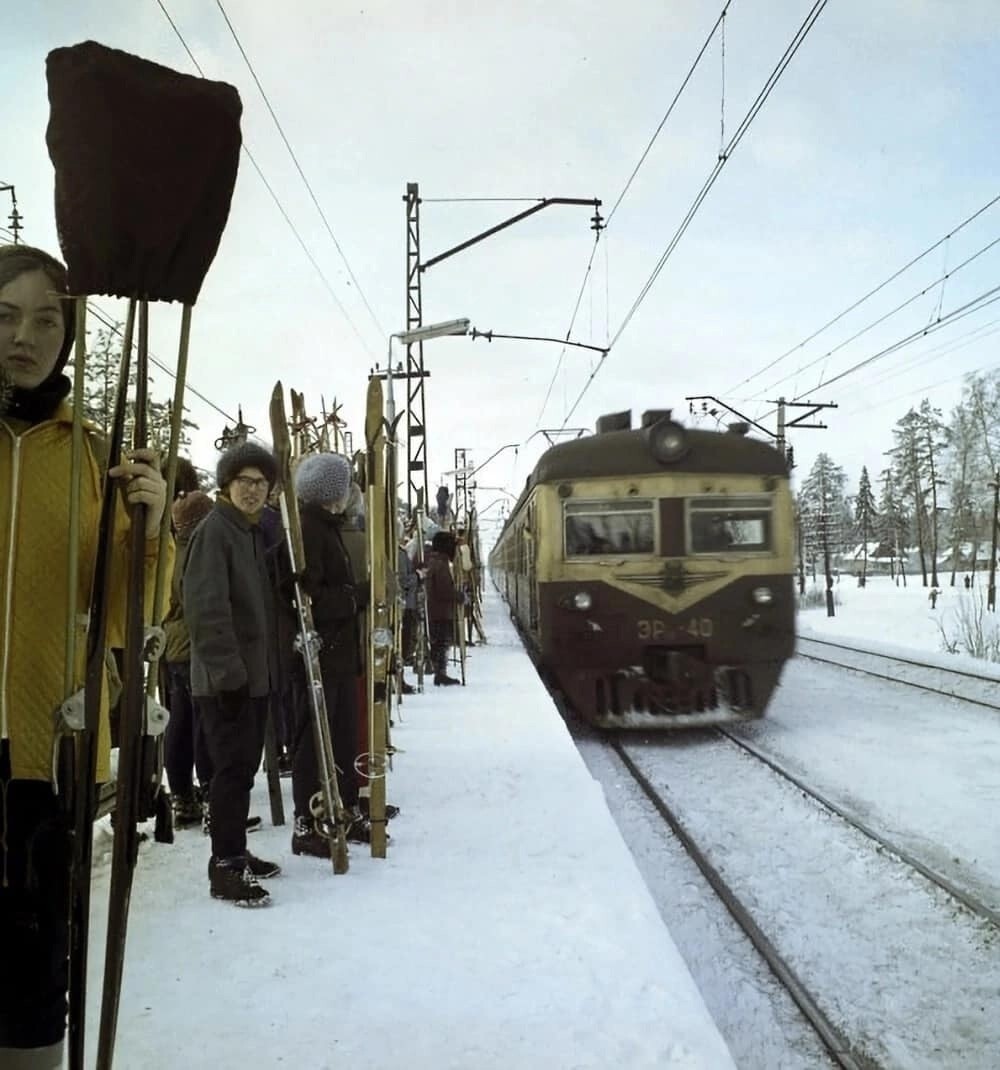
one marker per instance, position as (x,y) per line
(652,630)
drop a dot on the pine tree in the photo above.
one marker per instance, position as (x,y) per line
(960,470)
(823,511)
(918,435)
(101,383)
(893,524)
(866,518)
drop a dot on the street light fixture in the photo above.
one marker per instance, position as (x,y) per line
(432,330)
(418,334)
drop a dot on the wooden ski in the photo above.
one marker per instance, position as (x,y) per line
(460,629)
(379,617)
(327,805)
(421,648)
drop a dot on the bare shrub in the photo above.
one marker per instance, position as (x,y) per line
(815,598)
(972,629)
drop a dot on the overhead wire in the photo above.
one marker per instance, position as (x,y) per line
(298,167)
(935,353)
(274,196)
(724,156)
(888,315)
(983,300)
(871,293)
(621,196)
(115,328)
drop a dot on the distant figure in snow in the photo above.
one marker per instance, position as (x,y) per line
(932,597)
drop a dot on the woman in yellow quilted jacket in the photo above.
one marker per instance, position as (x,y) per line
(36,335)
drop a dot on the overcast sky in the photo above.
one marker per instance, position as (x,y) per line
(880,138)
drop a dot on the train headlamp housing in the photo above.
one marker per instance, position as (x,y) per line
(762,596)
(667,441)
(582,600)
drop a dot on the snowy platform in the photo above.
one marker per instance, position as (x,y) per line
(509,926)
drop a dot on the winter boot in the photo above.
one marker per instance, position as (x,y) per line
(187,810)
(359,829)
(444,680)
(307,840)
(231,879)
(259,868)
(364,803)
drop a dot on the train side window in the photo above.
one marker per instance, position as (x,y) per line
(730,525)
(609,528)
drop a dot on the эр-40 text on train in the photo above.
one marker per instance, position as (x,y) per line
(650,571)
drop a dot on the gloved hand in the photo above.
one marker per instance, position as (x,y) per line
(234,702)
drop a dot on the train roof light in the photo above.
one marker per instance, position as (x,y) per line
(667,440)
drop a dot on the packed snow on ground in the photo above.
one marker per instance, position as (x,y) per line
(509,926)
(921,768)
(896,619)
(873,940)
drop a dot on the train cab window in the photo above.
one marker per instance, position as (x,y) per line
(609,528)
(729,525)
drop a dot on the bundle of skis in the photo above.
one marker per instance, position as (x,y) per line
(329,815)
(293,439)
(145,164)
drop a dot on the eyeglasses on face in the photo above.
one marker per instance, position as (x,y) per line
(251,483)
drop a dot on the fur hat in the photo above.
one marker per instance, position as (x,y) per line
(246,455)
(188,511)
(323,478)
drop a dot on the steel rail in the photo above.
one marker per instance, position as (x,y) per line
(978,908)
(892,658)
(833,1039)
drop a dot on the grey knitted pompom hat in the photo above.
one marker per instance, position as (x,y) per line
(323,478)
(246,455)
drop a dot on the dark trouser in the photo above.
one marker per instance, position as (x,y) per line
(442,634)
(184,741)
(235,740)
(409,635)
(341,693)
(34,912)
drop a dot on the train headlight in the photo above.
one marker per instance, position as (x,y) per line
(762,596)
(582,600)
(667,441)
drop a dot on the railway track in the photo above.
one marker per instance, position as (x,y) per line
(979,688)
(832,1038)
(927,872)
(842,1050)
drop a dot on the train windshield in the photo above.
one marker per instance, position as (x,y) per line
(609,527)
(729,525)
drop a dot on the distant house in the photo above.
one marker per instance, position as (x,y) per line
(881,559)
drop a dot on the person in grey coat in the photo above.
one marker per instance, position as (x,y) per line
(229,608)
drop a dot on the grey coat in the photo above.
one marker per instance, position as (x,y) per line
(229,606)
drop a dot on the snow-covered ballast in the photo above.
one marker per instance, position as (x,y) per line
(650,570)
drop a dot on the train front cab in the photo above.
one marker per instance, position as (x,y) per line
(666,600)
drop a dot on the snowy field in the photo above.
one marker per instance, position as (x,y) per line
(901,618)
(508,928)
